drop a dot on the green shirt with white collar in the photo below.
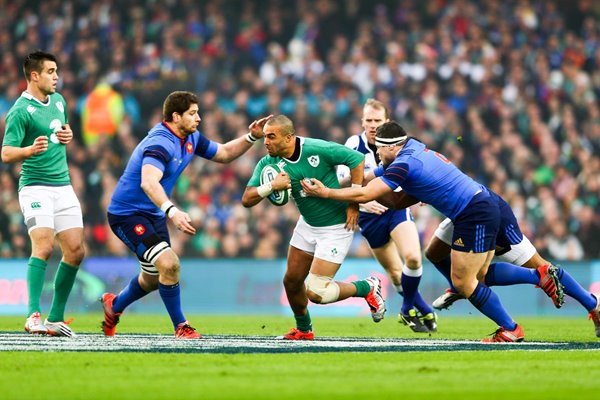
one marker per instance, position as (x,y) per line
(29,118)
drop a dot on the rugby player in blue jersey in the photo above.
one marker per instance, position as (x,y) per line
(512,248)
(431,178)
(140,205)
(392,235)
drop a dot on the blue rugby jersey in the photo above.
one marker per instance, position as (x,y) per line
(163,149)
(431,178)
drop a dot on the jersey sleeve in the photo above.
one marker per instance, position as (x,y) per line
(379,171)
(342,170)
(255,178)
(158,152)
(16,126)
(206,148)
(342,155)
(396,174)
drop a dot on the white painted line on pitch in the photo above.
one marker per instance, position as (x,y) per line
(258,344)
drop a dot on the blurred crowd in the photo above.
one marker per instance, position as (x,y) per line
(508,90)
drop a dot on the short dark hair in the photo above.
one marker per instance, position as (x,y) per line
(285,124)
(35,62)
(390,129)
(178,102)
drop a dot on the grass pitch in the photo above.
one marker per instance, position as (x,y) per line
(507,372)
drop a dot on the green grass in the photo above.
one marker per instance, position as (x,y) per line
(482,375)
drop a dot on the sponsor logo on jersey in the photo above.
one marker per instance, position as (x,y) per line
(459,242)
(314,161)
(139,229)
(30,109)
(60,107)
(189,148)
(36,205)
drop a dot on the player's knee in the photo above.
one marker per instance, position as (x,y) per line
(74,256)
(322,289)
(412,260)
(42,251)
(163,258)
(293,282)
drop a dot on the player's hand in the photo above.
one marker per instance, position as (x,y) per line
(281,182)
(374,207)
(314,187)
(256,127)
(352,215)
(40,144)
(182,222)
(64,135)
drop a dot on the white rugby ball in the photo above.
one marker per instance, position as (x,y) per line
(268,173)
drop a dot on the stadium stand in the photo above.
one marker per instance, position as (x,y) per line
(507,89)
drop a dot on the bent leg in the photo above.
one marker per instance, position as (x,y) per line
(465,268)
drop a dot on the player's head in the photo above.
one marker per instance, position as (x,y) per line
(389,139)
(374,114)
(180,109)
(280,136)
(40,70)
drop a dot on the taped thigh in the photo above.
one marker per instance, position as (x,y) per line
(324,287)
(151,255)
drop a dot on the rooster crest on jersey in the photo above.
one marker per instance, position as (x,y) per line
(268,173)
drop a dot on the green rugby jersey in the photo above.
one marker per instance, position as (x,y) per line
(318,159)
(29,118)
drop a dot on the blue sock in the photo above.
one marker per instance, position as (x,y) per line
(170,295)
(576,291)
(505,274)
(128,295)
(489,304)
(421,305)
(444,268)
(410,287)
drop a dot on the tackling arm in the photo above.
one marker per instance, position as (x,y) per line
(376,188)
(234,148)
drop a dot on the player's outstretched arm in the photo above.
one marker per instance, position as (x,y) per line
(373,190)
(254,194)
(234,148)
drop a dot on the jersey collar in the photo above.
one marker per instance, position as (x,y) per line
(30,97)
(182,140)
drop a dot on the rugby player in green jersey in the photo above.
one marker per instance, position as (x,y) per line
(37,132)
(324,231)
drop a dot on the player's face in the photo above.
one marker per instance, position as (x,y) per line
(372,119)
(47,79)
(387,154)
(189,120)
(275,141)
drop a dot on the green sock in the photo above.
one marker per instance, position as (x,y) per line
(303,322)
(63,283)
(362,288)
(36,270)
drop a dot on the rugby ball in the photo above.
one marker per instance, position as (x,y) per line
(268,173)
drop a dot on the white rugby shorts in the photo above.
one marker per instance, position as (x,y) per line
(329,243)
(55,207)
